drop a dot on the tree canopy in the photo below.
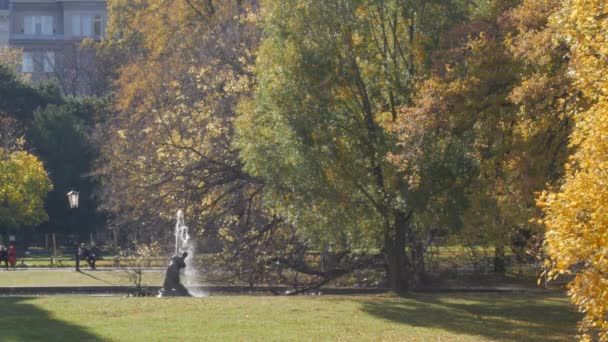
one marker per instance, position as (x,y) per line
(576,210)
(62,135)
(57,131)
(356,128)
(24,185)
(330,74)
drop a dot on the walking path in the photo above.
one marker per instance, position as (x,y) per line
(108,281)
(229,289)
(71,269)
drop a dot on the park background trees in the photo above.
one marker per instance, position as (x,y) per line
(320,137)
(52,137)
(62,135)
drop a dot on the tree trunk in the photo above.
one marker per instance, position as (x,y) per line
(394,253)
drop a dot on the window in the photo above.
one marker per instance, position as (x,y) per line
(27,62)
(76,31)
(38,24)
(49,61)
(86,25)
(97,25)
(28,25)
(47,25)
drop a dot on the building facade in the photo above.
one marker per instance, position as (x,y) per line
(3,22)
(50,33)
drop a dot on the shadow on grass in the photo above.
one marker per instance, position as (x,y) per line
(499,317)
(96,278)
(23,321)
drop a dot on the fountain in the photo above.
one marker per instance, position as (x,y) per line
(182,259)
(182,238)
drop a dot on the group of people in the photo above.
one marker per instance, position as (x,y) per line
(9,256)
(86,253)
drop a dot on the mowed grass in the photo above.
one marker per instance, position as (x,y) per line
(72,278)
(437,317)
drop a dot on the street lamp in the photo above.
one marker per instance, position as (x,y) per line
(73,199)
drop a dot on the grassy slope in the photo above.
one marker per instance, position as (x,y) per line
(71,278)
(450,317)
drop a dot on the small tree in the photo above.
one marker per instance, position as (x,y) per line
(11,58)
(141,262)
(24,185)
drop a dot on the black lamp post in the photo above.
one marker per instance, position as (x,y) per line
(73,200)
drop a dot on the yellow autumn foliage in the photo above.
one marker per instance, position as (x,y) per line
(576,214)
(24,185)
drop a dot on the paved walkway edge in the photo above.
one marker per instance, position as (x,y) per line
(45,290)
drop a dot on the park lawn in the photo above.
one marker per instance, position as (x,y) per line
(436,317)
(86,277)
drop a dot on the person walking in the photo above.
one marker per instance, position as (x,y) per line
(12,254)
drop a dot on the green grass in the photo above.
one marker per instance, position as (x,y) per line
(446,317)
(72,278)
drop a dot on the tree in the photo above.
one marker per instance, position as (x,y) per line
(76,70)
(62,136)
(19,100)
(23,188)
(329,73)
(542,122)
(169,143)
(510,98)
(575,211)
(137,266)
(11,136)
(57,130)
(10,58)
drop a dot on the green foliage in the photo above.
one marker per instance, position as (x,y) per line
(356,124)
(331,75)
(19,99)
(61,135)
(59,131)
(10,58)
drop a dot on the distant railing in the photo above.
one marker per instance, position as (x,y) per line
(67,260)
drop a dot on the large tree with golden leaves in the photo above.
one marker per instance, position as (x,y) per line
(576,213)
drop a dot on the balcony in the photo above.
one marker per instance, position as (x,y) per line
(48,37)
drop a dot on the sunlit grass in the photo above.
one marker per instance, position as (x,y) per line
(452,317)
(12,278)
